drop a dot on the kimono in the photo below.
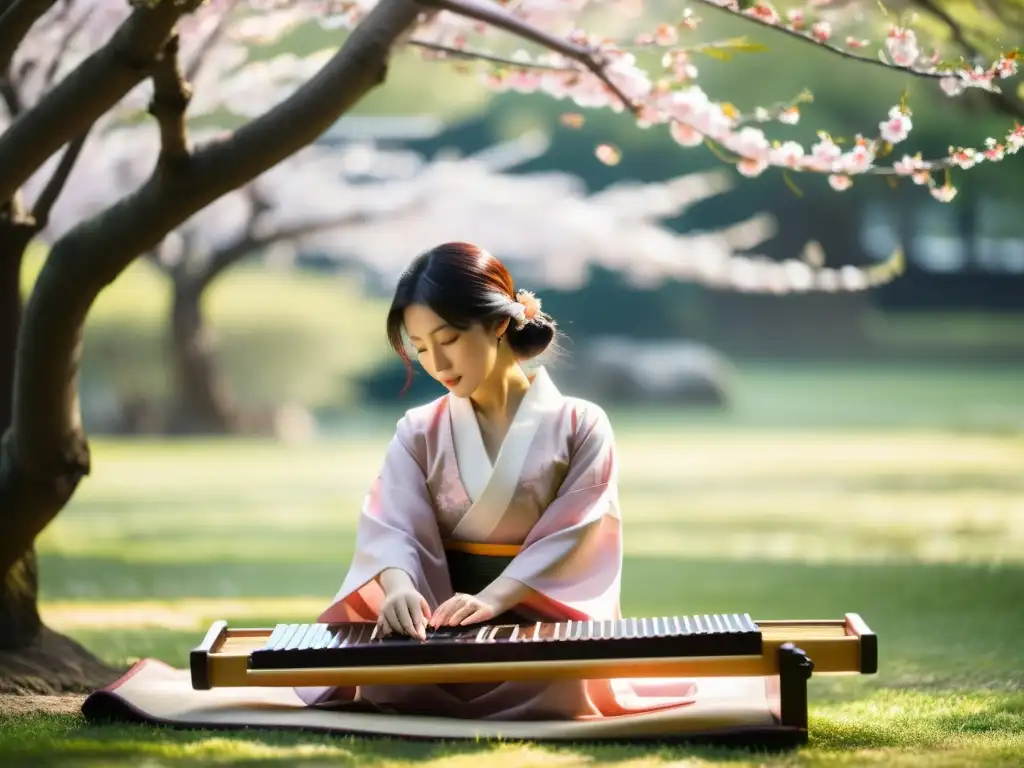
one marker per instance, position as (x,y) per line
(550,497)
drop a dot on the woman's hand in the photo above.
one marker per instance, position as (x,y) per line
(404,611)
(462,609)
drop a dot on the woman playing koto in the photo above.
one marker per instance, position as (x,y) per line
(502,469)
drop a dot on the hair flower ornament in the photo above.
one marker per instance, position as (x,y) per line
(525,308)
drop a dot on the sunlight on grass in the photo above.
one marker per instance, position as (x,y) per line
(862,496)
(919,531)
(884,729)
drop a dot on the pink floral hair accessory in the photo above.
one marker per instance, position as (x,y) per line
(525,308)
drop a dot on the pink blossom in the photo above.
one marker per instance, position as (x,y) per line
(790,115)
(897,127)
(825,154)
(685,134)
(763,11)
(821,31)
(531,304)
(839,182)
(908,165)
(965,157)
(859,159)
(680,64)
(688,103)
(1015,139)
(952,86)
(1006,67)
(994,151)
(789,154)
(751,167)
(666,34)
(749,142)
(902,46)
(979,77)
(944,193)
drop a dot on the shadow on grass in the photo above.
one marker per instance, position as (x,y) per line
(949,687)
(71,738)
(964,725)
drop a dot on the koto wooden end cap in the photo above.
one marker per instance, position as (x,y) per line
(856,626)
(199,657)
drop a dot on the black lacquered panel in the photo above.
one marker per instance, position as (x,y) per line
(296,646)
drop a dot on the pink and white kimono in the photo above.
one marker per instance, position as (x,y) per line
(553,491)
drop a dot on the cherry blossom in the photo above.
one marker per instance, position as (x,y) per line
(349,201)
(673,97)
(547,47)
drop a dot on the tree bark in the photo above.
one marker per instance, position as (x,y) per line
(19,617)
(33,658)
(45,454)
(202,400)
(87,93)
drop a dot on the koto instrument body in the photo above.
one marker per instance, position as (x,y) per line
(705,646)
(712,645)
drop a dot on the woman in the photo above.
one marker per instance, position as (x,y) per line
(496,500)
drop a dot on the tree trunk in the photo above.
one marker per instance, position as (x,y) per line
(202,401)
(19,618)
(33,658)
(45,453)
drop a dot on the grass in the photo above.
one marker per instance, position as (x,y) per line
(920,530)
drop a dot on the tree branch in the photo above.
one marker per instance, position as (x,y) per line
(804,37)
(96,85)
(171,96)
(471,54)
(1003,101)
(47,198)
(247,243)
(15,23)
(46,449)
(496,16)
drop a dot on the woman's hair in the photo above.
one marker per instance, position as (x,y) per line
(464,284)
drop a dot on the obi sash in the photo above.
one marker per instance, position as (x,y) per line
(472,566)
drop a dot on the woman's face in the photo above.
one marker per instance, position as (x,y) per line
(460,360)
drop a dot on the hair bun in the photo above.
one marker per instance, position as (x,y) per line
(533,337)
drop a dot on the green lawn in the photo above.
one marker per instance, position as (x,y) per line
(921,531)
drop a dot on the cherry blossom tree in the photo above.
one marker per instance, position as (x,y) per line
(576,52)
(313,194)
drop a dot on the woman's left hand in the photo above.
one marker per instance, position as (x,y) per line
(462,609)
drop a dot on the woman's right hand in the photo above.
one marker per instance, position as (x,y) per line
(404,609)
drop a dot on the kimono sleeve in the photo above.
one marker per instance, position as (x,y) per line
(397,529)
(572,558)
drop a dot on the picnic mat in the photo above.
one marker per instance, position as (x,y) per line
(730,710)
